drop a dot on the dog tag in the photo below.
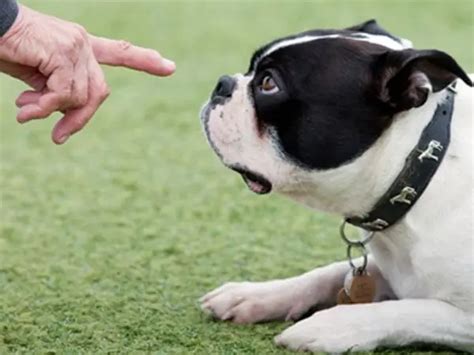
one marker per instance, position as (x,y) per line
(362,289)
(343,298)
(348,281)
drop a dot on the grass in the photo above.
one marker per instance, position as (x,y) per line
(106,243)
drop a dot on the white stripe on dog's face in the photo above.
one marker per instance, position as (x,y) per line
(375,39)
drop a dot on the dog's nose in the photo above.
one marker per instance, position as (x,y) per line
(225,87)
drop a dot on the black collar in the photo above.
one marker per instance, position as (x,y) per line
(420,166)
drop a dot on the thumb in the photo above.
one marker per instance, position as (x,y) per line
(124,54)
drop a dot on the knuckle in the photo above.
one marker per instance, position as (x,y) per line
(81,99)
(77,40)
(78,43)
(65,95)
(78,36)
(71,49)
(81,31)
(124,45)
(104,92)
(79,95)
(121,51)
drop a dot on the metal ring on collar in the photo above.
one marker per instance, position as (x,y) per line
(364,255)
(364,241)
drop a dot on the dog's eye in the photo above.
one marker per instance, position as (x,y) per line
(268,85)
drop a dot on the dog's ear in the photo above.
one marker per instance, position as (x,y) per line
(370,26)
(405,78)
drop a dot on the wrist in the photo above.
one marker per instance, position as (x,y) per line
(9,10)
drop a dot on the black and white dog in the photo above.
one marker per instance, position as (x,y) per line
(338,119)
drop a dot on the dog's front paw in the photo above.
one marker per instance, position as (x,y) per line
(252,302)
(336,330)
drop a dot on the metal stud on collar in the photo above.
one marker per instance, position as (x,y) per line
(428,153)
(405,196)
(452,88)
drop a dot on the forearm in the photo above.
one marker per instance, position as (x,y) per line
(8,14)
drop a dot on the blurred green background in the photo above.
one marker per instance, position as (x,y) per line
(107,242)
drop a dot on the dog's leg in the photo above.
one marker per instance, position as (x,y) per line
(364,327)
(252,302)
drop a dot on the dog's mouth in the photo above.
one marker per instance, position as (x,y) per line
(255,182)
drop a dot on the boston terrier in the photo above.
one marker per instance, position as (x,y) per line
(357,123)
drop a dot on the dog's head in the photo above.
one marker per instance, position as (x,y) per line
(316,101)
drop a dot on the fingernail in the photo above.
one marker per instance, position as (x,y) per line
(169,64)
(19,117)
(63,139)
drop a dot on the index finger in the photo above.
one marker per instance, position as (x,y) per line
(124,54)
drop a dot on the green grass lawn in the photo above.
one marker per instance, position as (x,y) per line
(107,242)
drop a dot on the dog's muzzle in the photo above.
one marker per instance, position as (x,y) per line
(226,85)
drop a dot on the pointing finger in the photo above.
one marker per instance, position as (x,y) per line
(124,54)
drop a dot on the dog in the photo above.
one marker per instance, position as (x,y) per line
(330,118)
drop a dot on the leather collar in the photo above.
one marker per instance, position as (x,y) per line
(420,166)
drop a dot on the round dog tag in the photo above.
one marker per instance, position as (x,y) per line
(348,281)
(362,289)
(343,298)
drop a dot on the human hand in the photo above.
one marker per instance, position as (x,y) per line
(60,61)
